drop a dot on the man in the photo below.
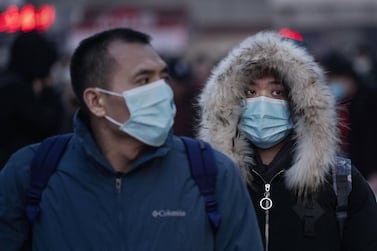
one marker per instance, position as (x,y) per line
(124,181)
(268,108)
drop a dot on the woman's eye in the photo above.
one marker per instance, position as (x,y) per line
(281,93)
(249,93)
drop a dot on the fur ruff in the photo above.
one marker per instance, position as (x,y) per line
(313,108)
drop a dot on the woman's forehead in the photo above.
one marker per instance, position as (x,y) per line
(267,79)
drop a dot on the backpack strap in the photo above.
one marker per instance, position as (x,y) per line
(342,184)
(309,212)
(204,171)
(42,167)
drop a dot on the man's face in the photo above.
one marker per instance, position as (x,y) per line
(267,86)
(136,65)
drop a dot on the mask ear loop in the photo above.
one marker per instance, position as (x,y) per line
(108,92)
(113,121)
(113,94)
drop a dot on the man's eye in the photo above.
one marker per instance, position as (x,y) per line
(143,81)
(167,78)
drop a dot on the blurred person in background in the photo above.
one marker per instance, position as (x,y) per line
(202,65)
(30,106)
(268,107)
(181,82)
(357,108)
(64,87)
(364,63)
(187,80)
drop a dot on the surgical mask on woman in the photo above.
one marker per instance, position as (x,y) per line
(152,112)
(266,121)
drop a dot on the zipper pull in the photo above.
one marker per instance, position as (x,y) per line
(266,203)
(118,184)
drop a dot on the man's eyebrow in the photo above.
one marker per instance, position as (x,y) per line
(149,71)
(143,72)
(165,70)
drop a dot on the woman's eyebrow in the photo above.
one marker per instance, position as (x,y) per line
(276,82)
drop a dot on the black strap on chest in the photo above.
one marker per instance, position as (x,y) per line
(309,210)
(342,185)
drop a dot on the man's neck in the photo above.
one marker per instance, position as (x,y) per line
(118,148)
(123,154)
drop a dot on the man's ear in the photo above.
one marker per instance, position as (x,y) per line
(94,101)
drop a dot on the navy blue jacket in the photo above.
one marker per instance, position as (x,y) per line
(154,206)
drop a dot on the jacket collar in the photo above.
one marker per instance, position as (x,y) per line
(93,152)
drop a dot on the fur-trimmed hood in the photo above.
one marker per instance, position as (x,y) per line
(312,107)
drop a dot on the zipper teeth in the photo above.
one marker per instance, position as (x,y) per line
(267,229)
(272,179)
(267,211)
(120,218)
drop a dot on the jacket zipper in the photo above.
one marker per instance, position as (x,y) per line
(118,189)
(266,203)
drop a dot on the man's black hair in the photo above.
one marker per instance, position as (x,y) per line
(91,63)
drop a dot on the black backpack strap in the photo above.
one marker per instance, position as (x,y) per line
(342,183)
(204,171)
(42,167)
(309,212)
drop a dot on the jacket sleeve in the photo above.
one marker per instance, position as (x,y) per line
(239,228)
(360,232)
(14,226)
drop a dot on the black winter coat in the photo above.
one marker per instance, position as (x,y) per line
(319,230)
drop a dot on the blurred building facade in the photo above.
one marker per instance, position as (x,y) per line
(188,27)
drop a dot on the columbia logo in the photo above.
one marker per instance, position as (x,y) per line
(168,213)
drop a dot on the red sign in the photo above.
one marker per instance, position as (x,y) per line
(27,18)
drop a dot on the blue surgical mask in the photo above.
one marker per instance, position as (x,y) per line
(266,121)
(338,90)
(152,112)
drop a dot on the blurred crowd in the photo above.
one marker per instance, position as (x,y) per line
(36,99)
(352,79)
